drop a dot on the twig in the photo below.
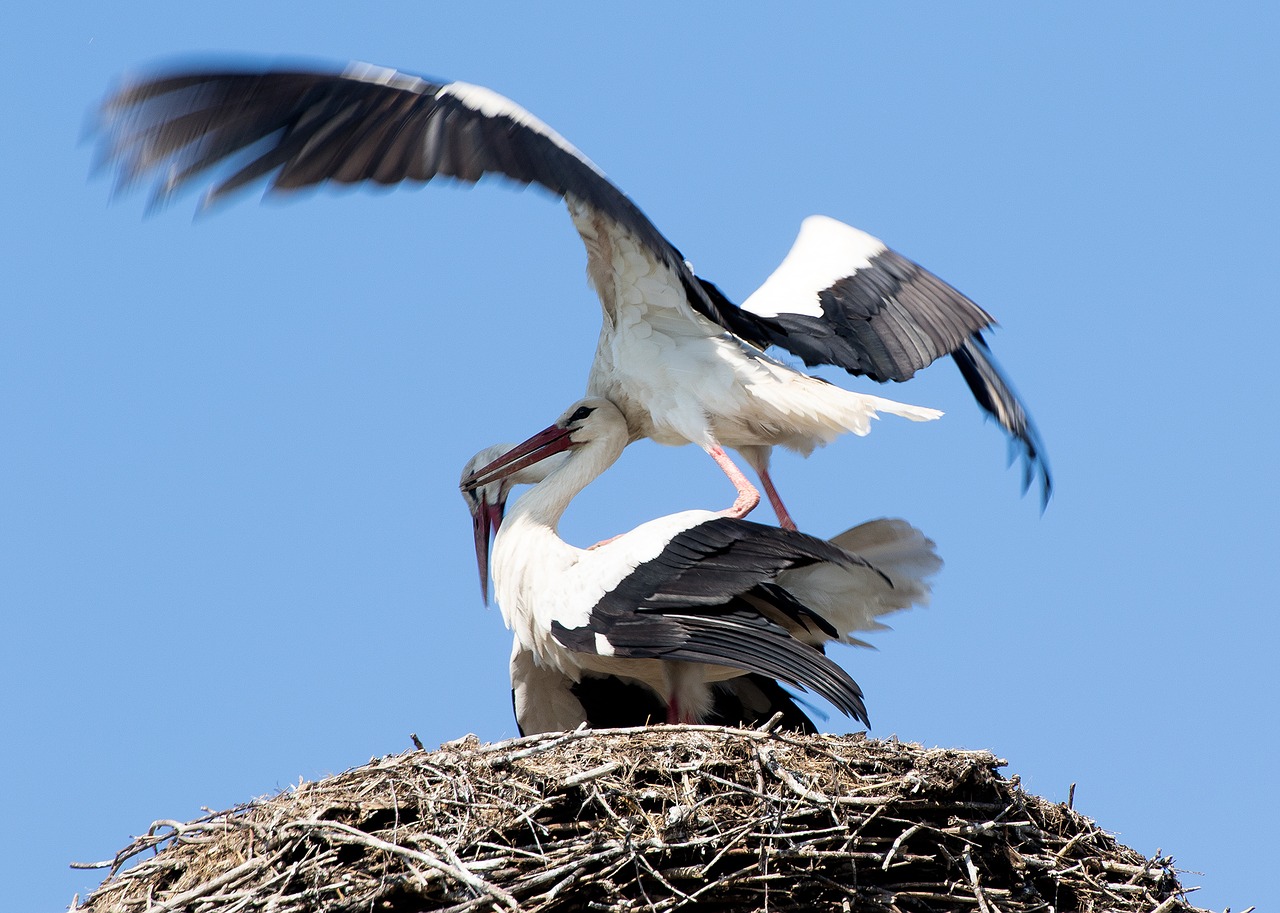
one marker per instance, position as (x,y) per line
(972,871)
(227,877)
(681,815)
(601,771)
(888,858)
(771,764)
(354,835)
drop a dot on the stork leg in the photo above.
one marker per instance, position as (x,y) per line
(748,495)
(688,695)
(758,456)
(784,518)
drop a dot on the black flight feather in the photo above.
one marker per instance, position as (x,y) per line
(311,127)
(301,128)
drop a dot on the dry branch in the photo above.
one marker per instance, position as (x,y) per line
(665,818)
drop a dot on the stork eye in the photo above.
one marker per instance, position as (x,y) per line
(581,412)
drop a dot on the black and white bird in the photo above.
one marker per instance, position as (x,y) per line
(547,700)
(682,363)
(692,598)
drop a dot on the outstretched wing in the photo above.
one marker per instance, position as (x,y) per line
(300,128)
(842,297)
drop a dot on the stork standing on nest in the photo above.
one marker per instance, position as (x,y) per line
(547,700)
(689,599)
(681,362)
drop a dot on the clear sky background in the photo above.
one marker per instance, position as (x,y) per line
(232,551)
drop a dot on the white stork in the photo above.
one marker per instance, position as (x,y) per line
(692,598)
(682,363)
(547,700)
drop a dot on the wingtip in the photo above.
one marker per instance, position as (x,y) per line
(861,715)
(996,397)
(1046,489)
(1028,451)
(160,198)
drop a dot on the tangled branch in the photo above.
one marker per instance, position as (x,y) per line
(662,818)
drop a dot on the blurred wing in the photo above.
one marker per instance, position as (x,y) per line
(301,128)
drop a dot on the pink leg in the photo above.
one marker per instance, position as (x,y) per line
(784,518)
(748,496)
(676,715)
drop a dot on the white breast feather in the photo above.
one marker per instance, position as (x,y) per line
(541,695)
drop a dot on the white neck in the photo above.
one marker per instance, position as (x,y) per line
(530,559)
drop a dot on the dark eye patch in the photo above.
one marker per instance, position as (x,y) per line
(581,412)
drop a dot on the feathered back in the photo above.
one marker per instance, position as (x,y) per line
(850,597)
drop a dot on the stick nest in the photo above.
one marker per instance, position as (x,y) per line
(662,818)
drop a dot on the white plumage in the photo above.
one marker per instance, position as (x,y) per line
(545,699)
(682,363)
(678,378)
(824,252)
(688,599)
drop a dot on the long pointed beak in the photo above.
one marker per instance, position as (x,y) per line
(485,520)
(536,449)
(487,517)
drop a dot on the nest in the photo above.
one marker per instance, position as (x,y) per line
(662,818)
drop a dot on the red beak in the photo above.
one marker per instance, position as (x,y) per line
(536,449)
(485,520)
(486,517)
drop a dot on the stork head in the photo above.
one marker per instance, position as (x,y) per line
(583,422)
(490,475)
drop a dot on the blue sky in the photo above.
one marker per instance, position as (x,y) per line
(233,553)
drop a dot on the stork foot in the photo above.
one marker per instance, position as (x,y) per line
(745,504)
(748,495)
